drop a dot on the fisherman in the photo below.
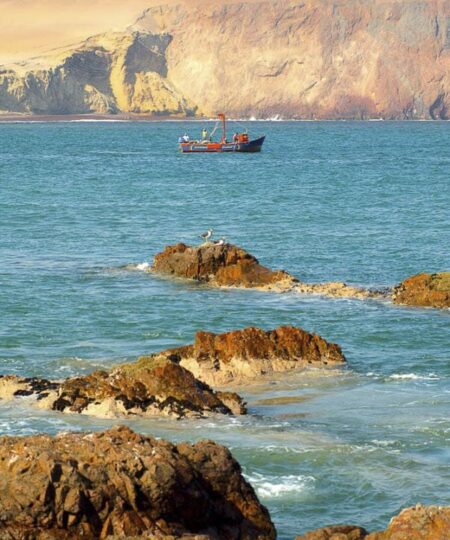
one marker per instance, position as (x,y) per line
(204,134)
(180,139)
(235,137)
(186,138)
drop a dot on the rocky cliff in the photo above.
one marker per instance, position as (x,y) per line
(310,59)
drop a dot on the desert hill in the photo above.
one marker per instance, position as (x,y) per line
(309,59)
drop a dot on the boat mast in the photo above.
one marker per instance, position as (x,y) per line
(224,132)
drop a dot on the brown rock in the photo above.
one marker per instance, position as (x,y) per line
(417,523)
(336,532)
(175,382)
(231,266)
(242,355)
(431,290)
(151,386)
(119,483)
(222,265)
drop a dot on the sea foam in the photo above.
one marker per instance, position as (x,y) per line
(272,487)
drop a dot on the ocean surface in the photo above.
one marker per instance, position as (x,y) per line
(84,206)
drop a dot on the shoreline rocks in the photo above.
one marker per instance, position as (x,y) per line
(117,482)
(415,523)
(425,290)
(227,265)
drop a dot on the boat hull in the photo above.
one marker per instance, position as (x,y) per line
(211,147)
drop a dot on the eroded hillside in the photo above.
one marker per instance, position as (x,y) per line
(311,59)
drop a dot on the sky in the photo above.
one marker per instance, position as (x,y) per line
(32,27)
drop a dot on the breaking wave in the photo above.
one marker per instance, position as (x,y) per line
(272,487)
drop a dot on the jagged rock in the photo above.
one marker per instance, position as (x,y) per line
(242,355)
(431,290)
(336,532)
(416,523)
(221,265)
(151,386)
(120,484)
(323,59)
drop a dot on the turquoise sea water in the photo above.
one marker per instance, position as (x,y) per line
(84,205)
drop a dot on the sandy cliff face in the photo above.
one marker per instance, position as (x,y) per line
(310,59)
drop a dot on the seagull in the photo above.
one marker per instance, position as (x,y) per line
(221,242)
(207,235)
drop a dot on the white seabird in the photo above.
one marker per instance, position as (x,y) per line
(207,235)
(221,242)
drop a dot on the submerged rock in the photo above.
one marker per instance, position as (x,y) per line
(432,290)
(119,483)
(242,355)
(151,386)
(416,523)
(221,265)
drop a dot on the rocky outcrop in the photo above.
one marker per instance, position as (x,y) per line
(417,523)
(431,290)
(221,265)
(245,355)
(227,265)
(176,382)
(120,484)
(152,386)
(309,59)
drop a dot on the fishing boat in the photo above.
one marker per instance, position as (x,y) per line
(240,142)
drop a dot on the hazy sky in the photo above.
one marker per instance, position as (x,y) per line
(30,27)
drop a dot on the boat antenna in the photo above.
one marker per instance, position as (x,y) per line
(224,132)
